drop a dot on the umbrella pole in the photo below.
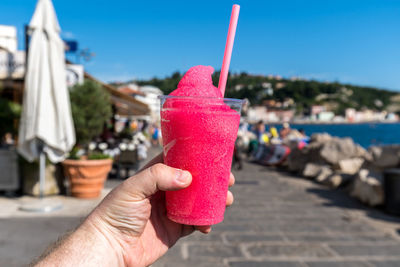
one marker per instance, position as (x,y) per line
(42,166)
(42,205)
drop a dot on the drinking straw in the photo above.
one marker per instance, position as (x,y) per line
(228,49)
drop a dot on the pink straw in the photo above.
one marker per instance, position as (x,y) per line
(228,49)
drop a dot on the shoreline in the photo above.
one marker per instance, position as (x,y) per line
(325,123)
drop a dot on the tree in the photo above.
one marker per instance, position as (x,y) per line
(91,109)
(9,112)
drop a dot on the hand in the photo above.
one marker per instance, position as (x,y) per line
(133,220)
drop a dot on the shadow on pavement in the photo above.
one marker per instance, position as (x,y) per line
(338,198)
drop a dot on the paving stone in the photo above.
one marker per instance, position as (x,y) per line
(22,240)
(240,238)
(385,263)
(233,227)
(339,238)
(283,221)
(213,250)
(372,250)
(338,264)
(300,250)
(185,263)
(350,228)
(214,236)
(264,264)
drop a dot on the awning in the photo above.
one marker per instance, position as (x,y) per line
(126,105)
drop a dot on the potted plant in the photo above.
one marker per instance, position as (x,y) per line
(85,169)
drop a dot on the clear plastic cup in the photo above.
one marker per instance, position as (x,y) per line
(199,134)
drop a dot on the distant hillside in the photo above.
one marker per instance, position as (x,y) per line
(296,93)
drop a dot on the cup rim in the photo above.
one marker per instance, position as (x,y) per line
(200,97)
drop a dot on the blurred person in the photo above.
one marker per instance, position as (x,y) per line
(237,159)
(126,132)
(140,125)
(155,135)
(285,130)
(8,140)
(274,132)
(129,227)
(302,132)
(134,126)
(259,131)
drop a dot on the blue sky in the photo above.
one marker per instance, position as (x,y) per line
(348,41)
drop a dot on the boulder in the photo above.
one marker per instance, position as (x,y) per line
(368,188)
(326,150)
(297,160)
(312,170)
(320,138)
(385,156)
(339,148)
(337,179)
(350,166)
(324,174)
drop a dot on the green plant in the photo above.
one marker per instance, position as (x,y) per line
(9,112)
(98,155)
(91,109)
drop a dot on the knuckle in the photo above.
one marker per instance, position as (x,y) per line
(156,170)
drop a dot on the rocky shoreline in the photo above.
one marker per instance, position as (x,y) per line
(339,162)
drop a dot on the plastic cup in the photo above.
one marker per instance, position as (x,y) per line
(199,134)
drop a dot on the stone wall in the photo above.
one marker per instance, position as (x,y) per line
(338,162)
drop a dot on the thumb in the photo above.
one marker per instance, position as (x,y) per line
(157,177)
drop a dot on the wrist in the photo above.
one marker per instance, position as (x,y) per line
(103,241)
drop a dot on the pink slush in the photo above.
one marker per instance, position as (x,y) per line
(199,135)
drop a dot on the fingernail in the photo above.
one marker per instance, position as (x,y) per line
(182,176)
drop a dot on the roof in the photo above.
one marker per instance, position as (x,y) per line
(129,91)
(126,104)
(151,89)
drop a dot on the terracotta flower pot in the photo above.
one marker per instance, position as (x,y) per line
(87,177)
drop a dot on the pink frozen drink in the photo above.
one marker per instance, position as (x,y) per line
(199,130)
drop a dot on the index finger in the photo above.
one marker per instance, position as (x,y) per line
(231,180)
(157,159)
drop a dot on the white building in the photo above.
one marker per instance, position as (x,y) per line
(151,98)
(8,38)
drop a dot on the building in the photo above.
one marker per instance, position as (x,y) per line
(325,116)
(150,97)
(258,113)
(8,38)
(316,109)
(12,74)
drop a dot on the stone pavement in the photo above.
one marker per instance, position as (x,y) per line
(279,220)
(276,220)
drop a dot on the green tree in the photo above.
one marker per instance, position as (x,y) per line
(9,112)
(91,109)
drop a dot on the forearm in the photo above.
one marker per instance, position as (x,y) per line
(86,246)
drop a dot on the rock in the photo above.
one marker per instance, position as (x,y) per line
(337,149)
(297,160)
(350,166)
(385,156)
(361,152)
(323,174)
(320,138)
(312,170)
(325,150)
(30,177)
(337,179)
(368,188)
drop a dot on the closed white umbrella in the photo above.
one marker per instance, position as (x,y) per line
(46,124)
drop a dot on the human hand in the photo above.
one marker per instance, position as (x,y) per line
(133,217)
